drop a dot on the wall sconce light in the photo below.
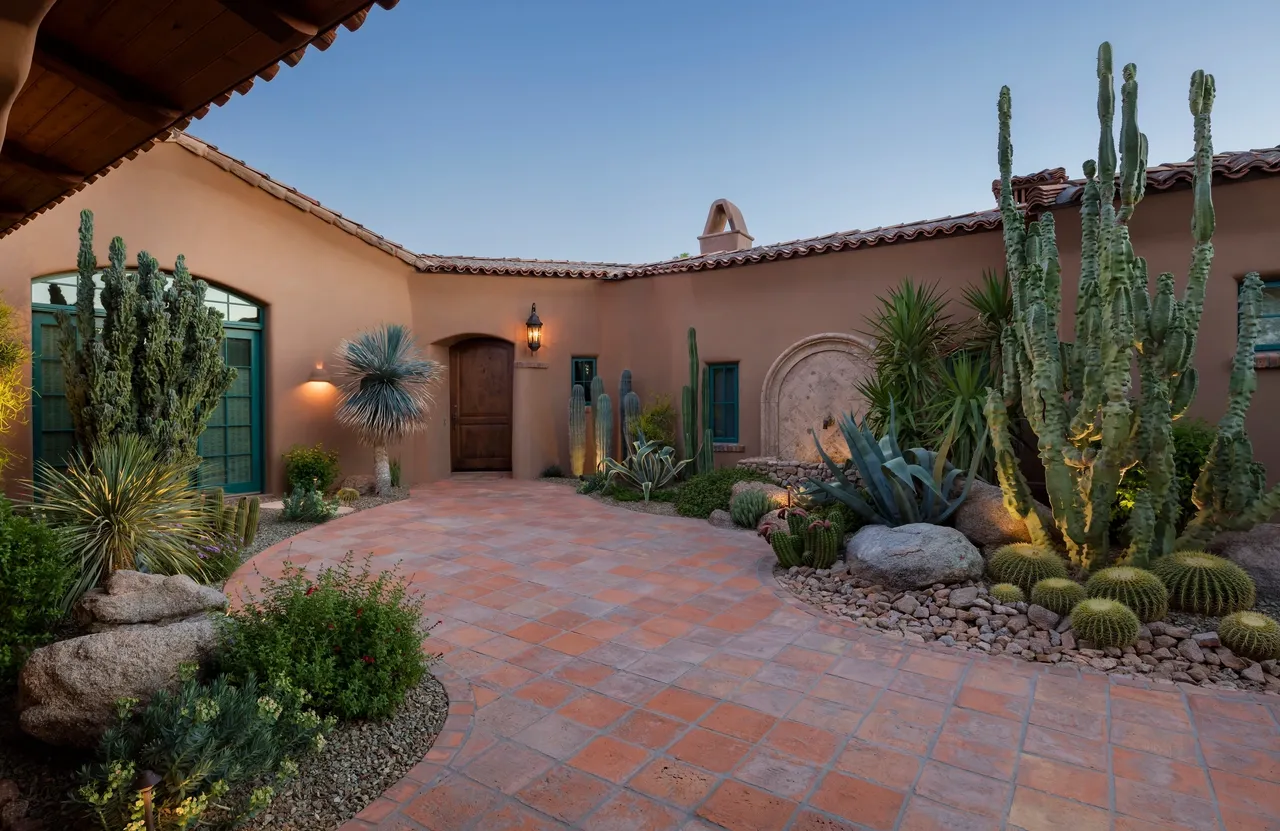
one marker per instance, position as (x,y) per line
(533,327)
(320,375)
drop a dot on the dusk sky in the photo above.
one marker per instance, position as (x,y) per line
(598,130)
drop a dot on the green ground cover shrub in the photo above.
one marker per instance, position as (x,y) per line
(351,638)
(202,741)
(35,576)
(658,421)
(310,467)
(707,492)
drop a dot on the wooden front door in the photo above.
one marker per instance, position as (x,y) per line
(480,397)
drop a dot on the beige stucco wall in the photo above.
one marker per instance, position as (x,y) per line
(320,284)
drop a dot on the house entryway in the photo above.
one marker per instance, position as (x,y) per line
(480,394)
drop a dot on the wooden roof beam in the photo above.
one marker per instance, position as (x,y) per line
(16,155)
(276,20)
(105,83)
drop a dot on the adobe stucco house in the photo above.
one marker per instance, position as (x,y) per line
(778,322)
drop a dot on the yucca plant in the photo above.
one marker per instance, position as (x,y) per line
(962,392)
(991,301)
(649,467)
(911,330)
(124,508)
(384,392)
(902,487)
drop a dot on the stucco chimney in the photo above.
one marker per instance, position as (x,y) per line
(726,230)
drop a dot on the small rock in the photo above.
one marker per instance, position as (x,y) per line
(1165,641)
(906,604)
(8,792)
(1178,632)
(1191,651)
(1206,640)
(1183,677)
(1253,672)
(947,640)
(1230,660)
(1198,673)
(1162,654)
(1143,647)
(1017,623)
(1156,627)
(963,598)
(1068,640)
(1271,667)
(1042,617)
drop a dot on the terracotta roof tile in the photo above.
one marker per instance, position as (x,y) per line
(527,268)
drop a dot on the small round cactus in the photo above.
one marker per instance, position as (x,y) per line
(1024,564)
(1057,594)
(1140,590)
(1105,622)
(1006,593)
(1250,635)
(747,507)
(1205,583)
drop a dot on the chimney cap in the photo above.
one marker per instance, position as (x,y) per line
(717,237)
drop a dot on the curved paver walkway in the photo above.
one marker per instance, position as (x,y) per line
(638,673)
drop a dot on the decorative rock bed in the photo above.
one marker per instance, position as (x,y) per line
(965,617)
(787,472)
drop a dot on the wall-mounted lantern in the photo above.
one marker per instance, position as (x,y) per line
(320,375)
(533,329)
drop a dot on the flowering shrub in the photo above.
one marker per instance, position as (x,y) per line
(310,467)
(352,639)
(221,556)
(203,741)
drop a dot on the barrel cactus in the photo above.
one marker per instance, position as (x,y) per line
(1024,564)
(1057,594)
(1140,590)
(822,542)
(1205,583)
(1105,622)
(1006,593)
(1250,635)
(789,548)
(748,506)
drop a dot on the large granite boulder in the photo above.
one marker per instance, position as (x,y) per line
(771,522)
(987,523)
(777,495)
(132,597)
(362,483)
(1257,551)
(913,556)
(144,627)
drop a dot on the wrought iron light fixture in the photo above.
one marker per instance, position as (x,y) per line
(533,329)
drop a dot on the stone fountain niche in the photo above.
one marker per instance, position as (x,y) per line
(809,386)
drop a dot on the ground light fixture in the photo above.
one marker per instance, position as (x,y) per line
(320,375)
(147,780)
(533,329)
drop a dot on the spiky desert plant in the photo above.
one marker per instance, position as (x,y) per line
(789,548)
(797,519)
(603,415)
(1105,622)
(15,392)
(154,368)
(699,444)
(1025,564)
(124,507)
(1250,635)
(577,431)
(347,496)
(631,414)
(1078,397)
(748,506)
(1057,594)
(648,467)
(384,391)
(822,542)
(1140,590)
(1006,593)
(1205,583)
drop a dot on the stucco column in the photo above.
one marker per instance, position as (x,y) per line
(533,440)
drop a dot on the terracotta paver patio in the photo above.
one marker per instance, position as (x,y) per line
(614,671)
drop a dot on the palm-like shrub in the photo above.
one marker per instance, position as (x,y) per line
(898,486)
(963,379)
(125,508)
(385,391)
(649,467)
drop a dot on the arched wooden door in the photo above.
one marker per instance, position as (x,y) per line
(480,376)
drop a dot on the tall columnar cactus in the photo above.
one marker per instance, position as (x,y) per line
(624,384)
(631,419)
(577,430)
(1077,395)
(699,444)
(603,413)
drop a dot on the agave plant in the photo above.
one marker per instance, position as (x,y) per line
(384,391)
(650,466)
(902,487)
(124,508)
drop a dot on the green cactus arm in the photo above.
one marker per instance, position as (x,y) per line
(1013,485)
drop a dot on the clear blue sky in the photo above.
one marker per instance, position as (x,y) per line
(603,130)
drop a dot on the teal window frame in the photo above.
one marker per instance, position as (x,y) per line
(1267,286)
(724,402)
(226,302)
(589,364)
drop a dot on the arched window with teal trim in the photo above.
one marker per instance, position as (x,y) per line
(231,447)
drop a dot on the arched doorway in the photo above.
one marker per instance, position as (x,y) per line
(480,395)
(231,446)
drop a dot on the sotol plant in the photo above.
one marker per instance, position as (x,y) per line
(384,392)
(1078,396)
(154,369)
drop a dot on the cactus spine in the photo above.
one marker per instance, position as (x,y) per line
(699,445)
(577,430)
(1076,396)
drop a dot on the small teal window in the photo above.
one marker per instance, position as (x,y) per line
(724,403)
(1269,317)
(584,370)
